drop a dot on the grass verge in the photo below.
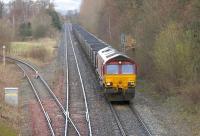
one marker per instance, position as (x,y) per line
(5,130)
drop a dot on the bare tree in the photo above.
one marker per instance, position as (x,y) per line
(1,9)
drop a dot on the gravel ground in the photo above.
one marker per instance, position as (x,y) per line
(38,122)
(154,116)
(26,95)
(129,121)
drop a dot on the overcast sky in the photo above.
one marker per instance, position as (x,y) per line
(64,5)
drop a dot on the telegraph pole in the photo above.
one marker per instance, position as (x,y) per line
(123,40)
(109,29)
(4,55)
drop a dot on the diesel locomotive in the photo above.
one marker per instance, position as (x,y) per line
(116,71)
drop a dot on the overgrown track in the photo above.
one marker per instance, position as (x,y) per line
(52,132)
(77,105)
(128,120)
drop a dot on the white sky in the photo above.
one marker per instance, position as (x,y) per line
(63,5)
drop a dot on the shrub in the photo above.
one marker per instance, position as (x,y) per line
(41,25)
(40,31)
(25,30)
(192,93)
(55,19)
(172,56)
(39,53)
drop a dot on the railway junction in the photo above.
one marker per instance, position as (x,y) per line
(81,109)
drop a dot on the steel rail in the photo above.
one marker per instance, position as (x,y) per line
(58,102)
(117,120)
(67,90)
(139,118)
(49,89)
(39,101)
(44,82)
(67,81)
(82,85)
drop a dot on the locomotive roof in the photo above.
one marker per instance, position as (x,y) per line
(109,53)
(97,46)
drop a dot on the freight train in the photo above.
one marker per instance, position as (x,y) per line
(115,70)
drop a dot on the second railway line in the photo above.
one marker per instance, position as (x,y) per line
(77,106)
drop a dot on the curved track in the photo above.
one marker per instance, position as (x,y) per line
(26,67)
(52,132)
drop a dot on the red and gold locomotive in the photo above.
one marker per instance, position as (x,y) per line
(116,71)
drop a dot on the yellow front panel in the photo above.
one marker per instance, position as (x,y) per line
(119,81)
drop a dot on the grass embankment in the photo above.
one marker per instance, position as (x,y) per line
(38,52)
(182,112)
(6,130)
(9,115)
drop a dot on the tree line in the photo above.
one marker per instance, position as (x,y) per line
(27,19)
(167,35)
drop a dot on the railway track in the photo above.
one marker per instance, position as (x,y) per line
(64,113)
(76,104)
(128,120)
(52,132)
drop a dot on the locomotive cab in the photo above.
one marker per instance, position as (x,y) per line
(119,77)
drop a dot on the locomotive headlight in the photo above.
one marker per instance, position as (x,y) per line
(109,83)
(131,84)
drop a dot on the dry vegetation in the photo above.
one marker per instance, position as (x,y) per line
(39,51)
(167,34)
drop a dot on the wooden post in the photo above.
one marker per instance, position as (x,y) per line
(4,55)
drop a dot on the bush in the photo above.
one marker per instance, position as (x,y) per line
(40,31)
(55,19)
(193,93)
(39,53)
(172,56)
(25,30)
(41,25)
